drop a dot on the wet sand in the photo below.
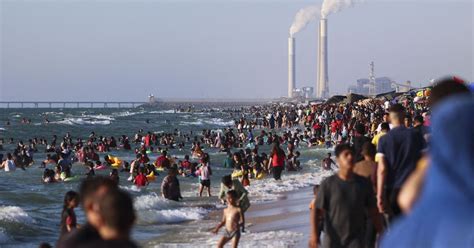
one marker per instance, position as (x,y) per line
(290,212)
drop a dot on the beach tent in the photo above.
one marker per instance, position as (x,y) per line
(335,99)
(351,98)
(387,96)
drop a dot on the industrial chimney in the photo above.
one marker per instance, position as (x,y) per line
(291,66)
(323,82)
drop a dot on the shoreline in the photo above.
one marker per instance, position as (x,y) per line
(288,215)
(290,212)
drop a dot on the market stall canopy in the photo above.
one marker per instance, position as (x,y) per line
(352,98)
(335,99)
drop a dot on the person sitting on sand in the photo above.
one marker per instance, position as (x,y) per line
(232,219)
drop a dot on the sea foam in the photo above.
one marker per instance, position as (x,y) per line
(153,209)
(14,214)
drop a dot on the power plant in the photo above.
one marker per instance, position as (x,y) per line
(302,18)
(291,66)
(322,85)
(322,82)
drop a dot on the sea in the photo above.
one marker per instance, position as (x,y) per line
(30,210)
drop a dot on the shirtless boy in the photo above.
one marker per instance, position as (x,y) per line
(232,219)
(327,162)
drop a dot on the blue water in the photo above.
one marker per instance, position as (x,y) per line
(30,210)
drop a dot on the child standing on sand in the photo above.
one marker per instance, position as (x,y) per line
(232,219)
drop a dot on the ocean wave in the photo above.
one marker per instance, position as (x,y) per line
(127,113)
(169,111)
(169,216)
(14,214)
(2,129)
(276,239)
(82,121)
(153,209)
(99,117)
(269,189)
(153,201)
(195,123)
(52,113)
(212,121)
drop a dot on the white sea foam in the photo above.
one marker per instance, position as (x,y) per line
(126,113)
(2,129)
(220,122)
(153,201)
(82,121)
(14,214)
(52,113)
(99,117)
(169,111)
(172,215)
(269,189)
(131,188)
(212,121)
(195,123)
(157,210)
(274,239)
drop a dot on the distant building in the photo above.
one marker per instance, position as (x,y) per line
(362,86)
(304,92)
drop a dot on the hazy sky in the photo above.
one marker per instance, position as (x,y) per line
(125,50)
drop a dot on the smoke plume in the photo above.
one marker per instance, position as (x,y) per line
(332,6)
(303,17)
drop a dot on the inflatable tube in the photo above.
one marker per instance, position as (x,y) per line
(260,175)
(151,177)
(237,173)
(101,167)
(72,179)
(116,162)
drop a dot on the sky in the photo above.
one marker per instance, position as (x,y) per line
(125,50)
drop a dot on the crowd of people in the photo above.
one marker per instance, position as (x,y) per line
(383,150)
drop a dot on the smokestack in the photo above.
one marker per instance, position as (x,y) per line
(323,81)
(291,66)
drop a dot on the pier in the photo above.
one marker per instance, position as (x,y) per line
(68,104)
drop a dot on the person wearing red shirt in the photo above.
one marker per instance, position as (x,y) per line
(140,179)
(162,161)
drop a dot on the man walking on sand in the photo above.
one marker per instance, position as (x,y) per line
(346,199)
(398,152)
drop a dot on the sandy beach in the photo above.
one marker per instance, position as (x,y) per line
(289,213)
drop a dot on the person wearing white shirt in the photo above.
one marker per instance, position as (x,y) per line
(9,164)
